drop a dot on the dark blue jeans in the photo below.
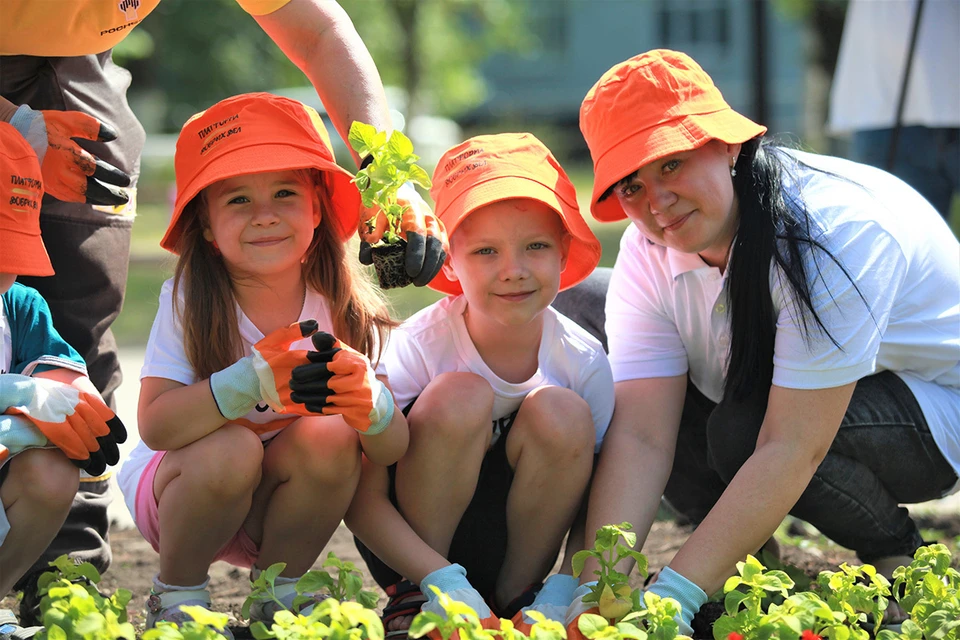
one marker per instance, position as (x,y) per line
(882,456)
(928,159)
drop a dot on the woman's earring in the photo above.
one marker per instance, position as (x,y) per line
(216,248)
(733,172)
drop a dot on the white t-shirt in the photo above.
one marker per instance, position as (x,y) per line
(667,312)
(435,341)
(873,54)
(165,358)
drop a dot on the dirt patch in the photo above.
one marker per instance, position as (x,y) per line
(135,562)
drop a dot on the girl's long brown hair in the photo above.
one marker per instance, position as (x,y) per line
(211,336)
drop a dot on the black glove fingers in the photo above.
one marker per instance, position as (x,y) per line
(310,374)
(97,463)
(432,262)
(309,327)
(106,133)
(109,449)
(117,430)
(321,357)
(313,400)
(366,253)
(323,341)
(413,258)
(106,172)
(99,193)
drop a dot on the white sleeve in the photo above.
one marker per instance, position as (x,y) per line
(596,387)
(406,367)
(854,307)
(644,341)
(165,356)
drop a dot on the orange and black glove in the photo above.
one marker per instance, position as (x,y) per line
(76,422)
(264,375)
(70,173)
(340,381)
(427,245)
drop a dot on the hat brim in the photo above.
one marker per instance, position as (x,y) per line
(585,249)
(263,158)
(24,254)
(665,138)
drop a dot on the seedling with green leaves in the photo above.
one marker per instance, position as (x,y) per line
(612,593)
(206,625)
(329,620)
(392,164)
(71,608)
(348,585)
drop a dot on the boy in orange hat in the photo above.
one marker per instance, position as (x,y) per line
(52,420)
(506,399)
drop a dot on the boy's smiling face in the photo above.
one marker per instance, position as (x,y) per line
(508,257)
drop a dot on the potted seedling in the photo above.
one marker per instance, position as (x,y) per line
(390,164)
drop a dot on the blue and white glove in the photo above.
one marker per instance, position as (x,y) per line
(553,600)
(452,580)
(691,597)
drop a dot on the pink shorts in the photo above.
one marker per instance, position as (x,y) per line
(240,550)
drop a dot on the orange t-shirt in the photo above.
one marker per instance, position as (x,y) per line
(55,28)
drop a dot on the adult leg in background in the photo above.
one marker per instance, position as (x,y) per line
(89,248)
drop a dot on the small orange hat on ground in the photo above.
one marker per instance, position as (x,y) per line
(258,133)
(650,106)
(21,190)
(504,166)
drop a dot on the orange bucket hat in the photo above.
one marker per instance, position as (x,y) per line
(491,168)
(650,106)
(257,133)
(21,189)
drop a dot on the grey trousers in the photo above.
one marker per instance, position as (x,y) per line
(89,250)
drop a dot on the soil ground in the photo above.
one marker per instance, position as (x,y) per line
(135,562)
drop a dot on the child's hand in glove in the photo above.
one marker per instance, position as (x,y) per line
(76,422)
(340,381)
(263,376)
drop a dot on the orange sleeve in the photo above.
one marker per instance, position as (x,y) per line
(261,7)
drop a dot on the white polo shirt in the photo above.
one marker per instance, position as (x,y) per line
(668,312)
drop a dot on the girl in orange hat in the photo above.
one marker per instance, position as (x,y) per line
(782,331)
(507,400)
(239,461)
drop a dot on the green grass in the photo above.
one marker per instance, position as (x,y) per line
(150,265)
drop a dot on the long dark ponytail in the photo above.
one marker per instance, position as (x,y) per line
(774,229)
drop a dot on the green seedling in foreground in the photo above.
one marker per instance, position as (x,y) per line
(612,593)
(393,164)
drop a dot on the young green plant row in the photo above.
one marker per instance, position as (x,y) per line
(759,604)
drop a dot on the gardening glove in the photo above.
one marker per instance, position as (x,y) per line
(691,597)
(452,580)
(70,173)
(264,375)
(18,434)
(340,381)
(427,245)
(553,600)
(76,422)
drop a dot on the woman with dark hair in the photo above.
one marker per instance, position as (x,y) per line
(784,333)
